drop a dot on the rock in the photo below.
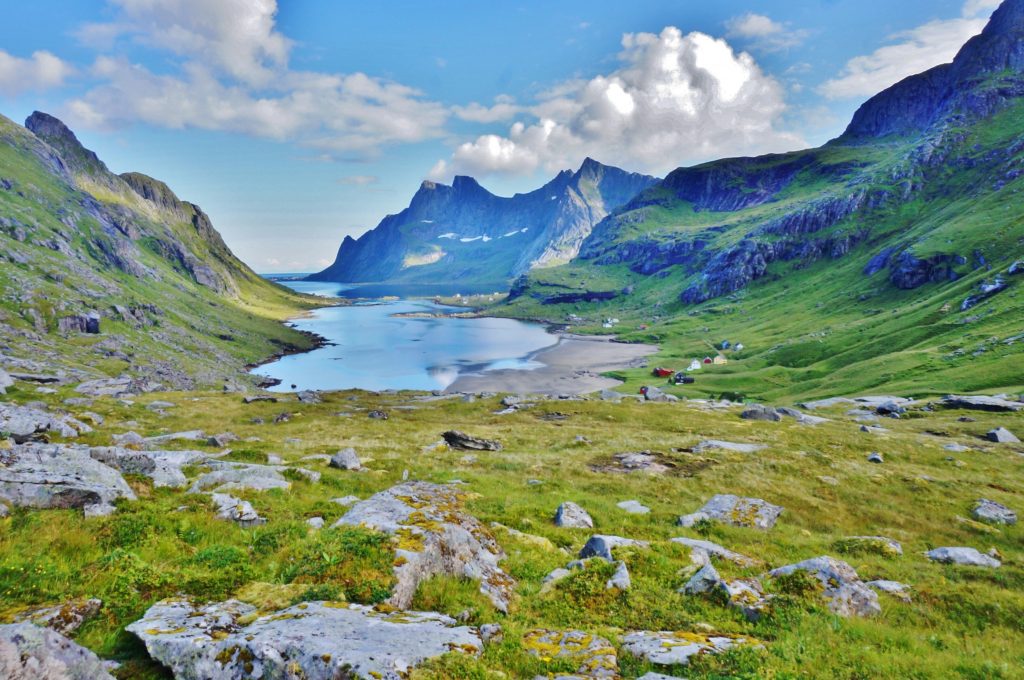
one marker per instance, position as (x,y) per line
(710,444)
(668,648)
(556,575)
(879,545)
(116,387)
(230,476)
(890,408)
(956,448)
(36,378)
(254,398)
(572,516)
(634,507)
(56,476)
(346,459)
(657,676)
(594,655)
(620,579)
(1001,435)
(875,457)
(741,512)
(690,520)
(436,537)
(842,588)
(704,581)
(160,405)
(656,394)
(610,395)
(163,467)
(345,501)
(981,403)
(63,618)
(965,556)
(221,440)
(312,476)
(995,513)
(315,522)
(638,461)
(31,652)
(377,415)
(238,511)
(188,436)
(5,381)
(492,633)
(701,551)
(601,546)
(464,442)
(799,416)
(312,640)
(80,323)
(894,588)
(747,596)
(4,511)
(274,459)
(25,423)
(760,412)
(129,440)
(309,397)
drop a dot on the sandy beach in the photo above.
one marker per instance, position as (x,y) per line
(572,366)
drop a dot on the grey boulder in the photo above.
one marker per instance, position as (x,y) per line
(760,412)
(346,459)
(842,588)
(996,513)
(238,511)
(1001,435)
(602,546)
(464,442)
(55,476)
(28,652)
(572,516)
(981,403)
(670,648)
(24,423)
(963,556)
(737,511)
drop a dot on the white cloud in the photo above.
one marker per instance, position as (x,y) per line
(359,180)
(675,99)
(504,108)
(764,33)
(41,71)
(232,75)
(910,52)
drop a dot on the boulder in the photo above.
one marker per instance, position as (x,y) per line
(308,397)
(841,587)
(995,513)
(620,579)
(1001,435)
(676,648)
(875,457)
(5,381)
(229,476)
(980,402)
(28,652)
(702,551)
(315,522)
(311,640)
(221,440)
(25,423)
(64,618)
(711,444)
(657,394)
(634,507)
(436,537)
(55,476)
(964,556)
(760,412)
(572,516)
(116,387)
(594,655)
(238,511)
(346,459)
(601,546)
(704,581)
(377,415)
(464,442)
(891,409)
(737,511)
(254,398)
(163,467)
(637,461)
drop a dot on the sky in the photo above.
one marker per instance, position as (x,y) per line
(294,123)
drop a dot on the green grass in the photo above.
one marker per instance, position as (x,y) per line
(962,623)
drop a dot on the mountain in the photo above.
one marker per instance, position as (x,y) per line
(887,253)
(87,250)
(465,233)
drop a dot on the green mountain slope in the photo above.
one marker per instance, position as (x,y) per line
(881,258)
(174,304)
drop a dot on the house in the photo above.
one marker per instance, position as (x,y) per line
(694,365)
(719,360)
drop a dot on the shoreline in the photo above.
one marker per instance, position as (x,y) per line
(573,365)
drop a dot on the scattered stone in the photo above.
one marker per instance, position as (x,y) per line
(634,507)
(309,397)
(890,409)
(995,513)
(638,461)
(956,448)
(710,444)
(760,412)
(253,398)
(160,405)
(56,476)
(981,403)
(221,440)
(63,618)
(187,436)
(846,594)
(828,479)
(311,640)
(704,581)
(26,423)
(315,522)
(730,509)
(346,459)
(610,395)
(620,579)
(238,511)
(1001,435)
(312,476)
(898,590)
(875,457)
(595,655)
(274,459)
(601,546)
(702,551)
(492,633)
(117,387)
(163,467)
(4,511)
(572,516)
(436,537)
(5,381)
(377,415)
(464,442)
(556,575)
(668,648)
(965,556)
(656,394)
(44,653)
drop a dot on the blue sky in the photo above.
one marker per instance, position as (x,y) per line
(296,122)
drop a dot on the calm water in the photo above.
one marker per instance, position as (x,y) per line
(373,350)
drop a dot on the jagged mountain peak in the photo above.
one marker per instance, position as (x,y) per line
(54,132)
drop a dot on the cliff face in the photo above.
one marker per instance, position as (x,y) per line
(465,233)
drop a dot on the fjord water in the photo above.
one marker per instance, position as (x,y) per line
(370,348)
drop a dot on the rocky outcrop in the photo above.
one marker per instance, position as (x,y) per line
(594,656)
(981,402)
(573,516)
(64,618)
(312,640)
(24,423)
(434,537)
(840,585)
(28,652)
(676,648)
(54,476)
(465,442)
(741,512)
(963,556)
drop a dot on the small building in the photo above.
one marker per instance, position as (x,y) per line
(720,360)
(694,365)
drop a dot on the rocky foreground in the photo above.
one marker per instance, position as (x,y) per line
(202,535)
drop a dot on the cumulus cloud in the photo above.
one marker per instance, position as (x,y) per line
(675,99)
(504,108)
(232,75)
(41,71)
(910,52)
(764,33)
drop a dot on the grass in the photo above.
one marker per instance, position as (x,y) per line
(964,623)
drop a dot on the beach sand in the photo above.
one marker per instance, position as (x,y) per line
(572,366)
